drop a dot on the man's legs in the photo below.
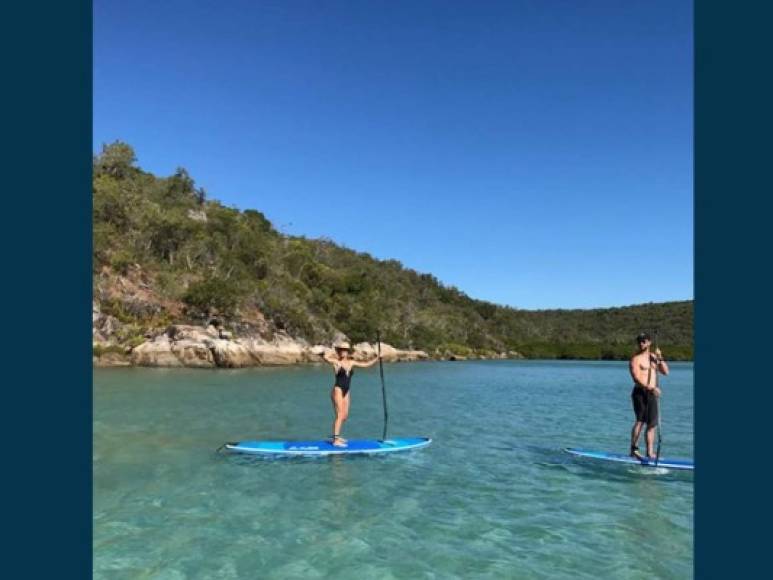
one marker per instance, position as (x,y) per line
(651,440)
(635,434)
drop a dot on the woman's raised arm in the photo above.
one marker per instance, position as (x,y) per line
(370,363)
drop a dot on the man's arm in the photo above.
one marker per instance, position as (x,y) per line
(661,363)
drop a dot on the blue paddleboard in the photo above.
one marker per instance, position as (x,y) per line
(325,447)
(621,458)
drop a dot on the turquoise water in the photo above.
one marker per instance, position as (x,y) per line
(492,497)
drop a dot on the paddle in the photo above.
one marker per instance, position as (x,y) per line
(383,385)
(657,383)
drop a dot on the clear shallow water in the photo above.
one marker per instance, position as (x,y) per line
(492,497)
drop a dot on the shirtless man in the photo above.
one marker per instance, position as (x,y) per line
(645,366)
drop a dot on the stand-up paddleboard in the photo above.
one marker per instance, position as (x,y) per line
(620,458)
(325,447)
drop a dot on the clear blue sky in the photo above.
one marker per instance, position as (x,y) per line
(532,153)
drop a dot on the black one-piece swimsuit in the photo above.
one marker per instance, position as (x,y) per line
(344,380)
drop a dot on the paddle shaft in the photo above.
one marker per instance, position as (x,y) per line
(383,385)
(657,384)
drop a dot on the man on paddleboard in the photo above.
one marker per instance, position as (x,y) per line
(645,366)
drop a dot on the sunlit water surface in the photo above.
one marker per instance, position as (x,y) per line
(494,496)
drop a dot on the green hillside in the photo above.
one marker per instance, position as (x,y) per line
(196,258)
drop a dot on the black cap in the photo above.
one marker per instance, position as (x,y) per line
(643,336)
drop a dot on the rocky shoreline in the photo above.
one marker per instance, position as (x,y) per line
(208,347)
(119,344)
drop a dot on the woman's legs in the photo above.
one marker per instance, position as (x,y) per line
(341,413)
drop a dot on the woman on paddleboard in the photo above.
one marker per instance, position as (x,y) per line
(343,367)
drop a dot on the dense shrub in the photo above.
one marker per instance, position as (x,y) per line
(211,296)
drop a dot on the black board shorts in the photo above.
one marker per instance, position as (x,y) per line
(645,406)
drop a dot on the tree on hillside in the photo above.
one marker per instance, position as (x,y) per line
(181,185)
(116,159)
